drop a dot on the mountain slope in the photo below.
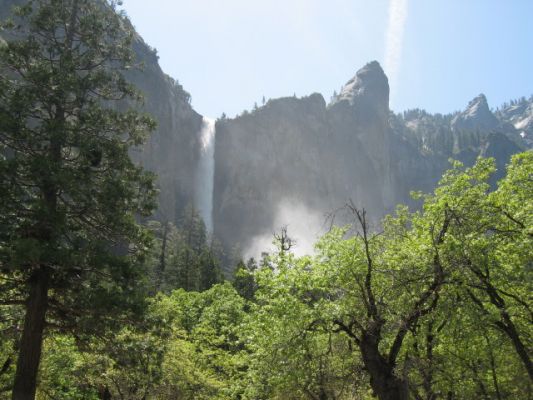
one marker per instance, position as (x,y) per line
(303,154)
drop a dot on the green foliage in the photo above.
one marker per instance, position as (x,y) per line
(70,194)
(188,348)
(65,376)
(294,352)
(448,288)
(184,256)
(244,280)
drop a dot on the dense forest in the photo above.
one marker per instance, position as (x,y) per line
(100,301)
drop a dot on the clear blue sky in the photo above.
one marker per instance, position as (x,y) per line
(440,54)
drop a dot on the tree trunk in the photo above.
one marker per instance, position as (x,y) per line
(162,259)
(385,384)
(32,337)
(509,328)
(104,394)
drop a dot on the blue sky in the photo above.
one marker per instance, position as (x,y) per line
(438,54)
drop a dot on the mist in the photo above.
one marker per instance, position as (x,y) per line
(304,227)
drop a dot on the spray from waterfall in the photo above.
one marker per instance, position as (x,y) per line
(206,173)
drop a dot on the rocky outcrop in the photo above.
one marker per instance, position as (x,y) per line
(262,158)
(519,113)
(361,112)
(464,136)
(476,117)
(302,151)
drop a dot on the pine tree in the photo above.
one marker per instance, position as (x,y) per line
(184,269)
(210,273)
(244,280)
(70,192)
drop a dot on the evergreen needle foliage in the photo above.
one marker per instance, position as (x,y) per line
(69,191)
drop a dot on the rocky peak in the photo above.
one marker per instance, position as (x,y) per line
(478,105)
(476,116)
(369,86)
(520,115)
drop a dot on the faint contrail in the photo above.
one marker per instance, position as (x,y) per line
(393,47)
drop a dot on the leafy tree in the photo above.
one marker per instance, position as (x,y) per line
(294,351)
(69,191)
(408,300)
(126,365)
(493,237)
(203,357)
(391,282)
(66,374)
(489,233)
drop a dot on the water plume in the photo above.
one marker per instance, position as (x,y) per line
(205,173)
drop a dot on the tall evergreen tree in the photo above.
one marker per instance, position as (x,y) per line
(69,191)
(193,258)
(244,280)
(210,273)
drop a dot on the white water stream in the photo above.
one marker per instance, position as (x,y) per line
(205,173)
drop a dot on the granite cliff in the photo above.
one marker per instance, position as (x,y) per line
(301,153)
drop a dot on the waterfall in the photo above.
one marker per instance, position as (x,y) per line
(205,173)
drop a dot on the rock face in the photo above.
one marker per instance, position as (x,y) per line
(361,111)
(302,152)
(266,157)
(173,148)
(428,141)
(477,116)
(519,113)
